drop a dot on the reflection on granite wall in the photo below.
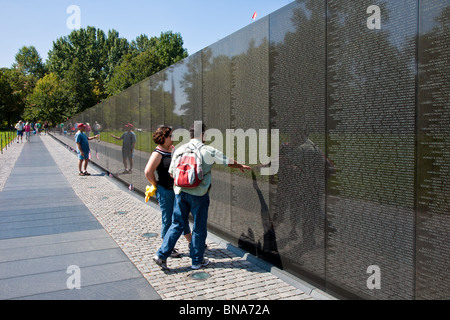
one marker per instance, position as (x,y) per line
(371,123)
(359,93)
(433,152)
(297,109)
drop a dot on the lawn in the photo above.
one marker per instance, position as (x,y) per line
(6,137)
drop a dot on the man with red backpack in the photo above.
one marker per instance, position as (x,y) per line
(192,180)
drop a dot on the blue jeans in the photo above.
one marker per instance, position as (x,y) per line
(184,204)
(166,199)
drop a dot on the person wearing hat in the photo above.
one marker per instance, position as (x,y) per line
(83,150)
(128,143)
(20,128)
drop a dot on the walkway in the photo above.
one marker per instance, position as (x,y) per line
(45,228)
(108,232)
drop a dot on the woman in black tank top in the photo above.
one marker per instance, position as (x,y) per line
(164,178)
(159,162)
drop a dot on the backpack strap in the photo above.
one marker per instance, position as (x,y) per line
(196,150)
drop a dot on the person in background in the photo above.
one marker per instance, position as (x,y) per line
(46,127)
(83,149)
(27,129)
(19,127)
(38,126)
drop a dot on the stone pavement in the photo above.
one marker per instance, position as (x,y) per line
(50,241)
(129,221)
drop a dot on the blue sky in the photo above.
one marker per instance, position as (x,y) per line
(200,22)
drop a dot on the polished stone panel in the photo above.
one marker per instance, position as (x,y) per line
(297,110)
(216,110)
(371,91)
(433,176)
(250,219)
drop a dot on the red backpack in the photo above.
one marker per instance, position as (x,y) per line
(188,171)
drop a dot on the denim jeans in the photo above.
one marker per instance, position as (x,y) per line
(184,204)
(166,199)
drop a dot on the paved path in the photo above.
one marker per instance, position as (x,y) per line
(45,228)
(97,224)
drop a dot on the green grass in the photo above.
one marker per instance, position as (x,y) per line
(6,137)
(144,140)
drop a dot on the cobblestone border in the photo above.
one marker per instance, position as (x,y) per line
(231,277)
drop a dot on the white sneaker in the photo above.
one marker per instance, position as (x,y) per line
(160,262)
(175,254)
(204,263)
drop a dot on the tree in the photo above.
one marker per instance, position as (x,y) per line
(6,100)
(115,50)
(169,49)
(98,53)
(141,44)
(132,70)
(82,69)
(86,58)
(80,87)
(49,100)
(14,88)
(29,63)
(139,64)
